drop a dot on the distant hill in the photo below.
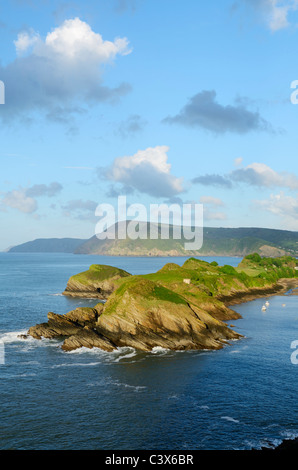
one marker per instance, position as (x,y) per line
(48,245)
(217,241)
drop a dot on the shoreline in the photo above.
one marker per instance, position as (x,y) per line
(287,444)
(280,288)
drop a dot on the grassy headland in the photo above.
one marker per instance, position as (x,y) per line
(178,307)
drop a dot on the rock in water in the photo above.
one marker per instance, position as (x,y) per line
(89,339)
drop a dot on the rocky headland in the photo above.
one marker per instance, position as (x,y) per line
(178,307)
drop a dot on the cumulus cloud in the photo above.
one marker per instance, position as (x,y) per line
(147,171)
(280,205)
(24,199)
(25,40)
(274,12)
(257,174)
(61,70)
(203,111)
(19,200)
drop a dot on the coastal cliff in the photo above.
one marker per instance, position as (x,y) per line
(99,281)
(178,307)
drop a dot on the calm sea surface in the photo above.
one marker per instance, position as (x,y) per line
(241,397)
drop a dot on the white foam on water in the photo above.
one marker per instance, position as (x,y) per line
(20,376)
(229,418)
(84,350)
(108,382)
(27,342)
(289,434)
(77,364)
(159,350)
(135,388)
(173,397)
(107,356)
(127,355)
(14,336)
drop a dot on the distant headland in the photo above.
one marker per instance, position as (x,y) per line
(217,241)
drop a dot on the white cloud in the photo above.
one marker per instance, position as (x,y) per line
(60,71)
(275,12)
(75,41)
(18,199)
(25,41)
(147,171)
(260,174)
(24,199)
(283,206)
(278,17)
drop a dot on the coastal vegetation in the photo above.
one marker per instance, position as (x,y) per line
(178,307)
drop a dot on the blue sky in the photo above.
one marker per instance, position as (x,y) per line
(158,100)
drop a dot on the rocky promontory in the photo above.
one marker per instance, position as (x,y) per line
(178,307)
(98,282)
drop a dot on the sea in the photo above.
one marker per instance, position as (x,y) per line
(241,397)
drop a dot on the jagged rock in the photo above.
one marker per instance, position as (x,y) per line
(66,325)
(85,316)
(89,339)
